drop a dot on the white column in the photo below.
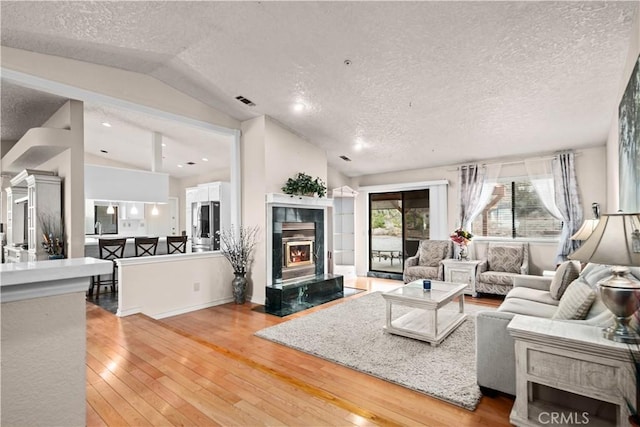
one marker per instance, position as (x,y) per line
(156,152)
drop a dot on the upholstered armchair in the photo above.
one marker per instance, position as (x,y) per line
(427,262)
(504,262)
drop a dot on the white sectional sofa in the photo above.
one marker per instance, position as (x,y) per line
(530,296)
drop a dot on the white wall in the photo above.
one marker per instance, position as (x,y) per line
(252,153)
(591,176)
(336,179)
(43,343)
(167,285)
(69,166)
(613,180)
(270,155)
(286,154)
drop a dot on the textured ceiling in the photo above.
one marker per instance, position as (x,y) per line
(430,83)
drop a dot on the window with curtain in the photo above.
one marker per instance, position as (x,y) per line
(515,210)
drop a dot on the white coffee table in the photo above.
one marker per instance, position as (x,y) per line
(426,322)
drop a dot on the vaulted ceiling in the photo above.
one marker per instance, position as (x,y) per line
(391,85)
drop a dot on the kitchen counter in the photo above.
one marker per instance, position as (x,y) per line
(21,280)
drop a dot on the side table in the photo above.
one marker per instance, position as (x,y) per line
(456,271)
(569,373)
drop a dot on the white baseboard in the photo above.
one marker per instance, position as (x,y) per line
(191,308)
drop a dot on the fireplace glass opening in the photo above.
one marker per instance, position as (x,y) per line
(298,253)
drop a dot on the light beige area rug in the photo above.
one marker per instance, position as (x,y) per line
(351,334)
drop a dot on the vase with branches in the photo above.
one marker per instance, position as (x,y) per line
(52,235)
(237,246)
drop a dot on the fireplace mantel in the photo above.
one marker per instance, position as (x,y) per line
(298,201)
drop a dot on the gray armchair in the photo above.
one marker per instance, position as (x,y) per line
(427,262)
(504,262)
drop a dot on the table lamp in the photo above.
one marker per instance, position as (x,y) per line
(588,225)
(616,242)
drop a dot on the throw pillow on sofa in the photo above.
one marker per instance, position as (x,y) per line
(575,302)
(505,259)
(432,254)
(566,273)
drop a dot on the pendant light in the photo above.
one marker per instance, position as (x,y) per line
(154,211)
(110,209)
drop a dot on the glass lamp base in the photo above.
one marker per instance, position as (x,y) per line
(625,337)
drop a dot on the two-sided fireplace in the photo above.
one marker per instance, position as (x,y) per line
(298,257)
(298,253)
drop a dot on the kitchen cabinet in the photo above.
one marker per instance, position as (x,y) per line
(130,210)
(344,231)
(44,204)
(15,215)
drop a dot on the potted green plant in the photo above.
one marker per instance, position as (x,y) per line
(52,235)
(237,246)
(303,185)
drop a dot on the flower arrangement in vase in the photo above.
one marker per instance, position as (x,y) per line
(461,238)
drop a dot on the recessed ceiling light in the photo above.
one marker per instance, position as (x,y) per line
(298,107)
(106,124)
(164,145)
(180,166)
(104,151)
(204,159)
(359,145)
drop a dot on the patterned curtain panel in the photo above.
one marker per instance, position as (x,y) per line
(568,203)
(476,187)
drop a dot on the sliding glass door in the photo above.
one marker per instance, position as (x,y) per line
(397,223)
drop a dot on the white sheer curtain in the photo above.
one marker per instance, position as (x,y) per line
(476,187)
(540,174)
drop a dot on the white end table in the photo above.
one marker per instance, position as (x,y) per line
(554,355)
(457,271)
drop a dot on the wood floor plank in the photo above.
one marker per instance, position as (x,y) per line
(183,371)
(103,408)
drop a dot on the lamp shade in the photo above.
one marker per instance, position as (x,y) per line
(615,241)
(585,231)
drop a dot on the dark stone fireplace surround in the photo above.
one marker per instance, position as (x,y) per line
(288,296)
(283,216)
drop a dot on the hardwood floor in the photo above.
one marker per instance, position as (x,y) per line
(207,368)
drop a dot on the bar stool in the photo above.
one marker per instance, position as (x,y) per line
(176,244)
(110,249)
(146,246)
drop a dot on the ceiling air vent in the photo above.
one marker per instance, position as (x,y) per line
(190,163)
(245,101)
(345,158)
